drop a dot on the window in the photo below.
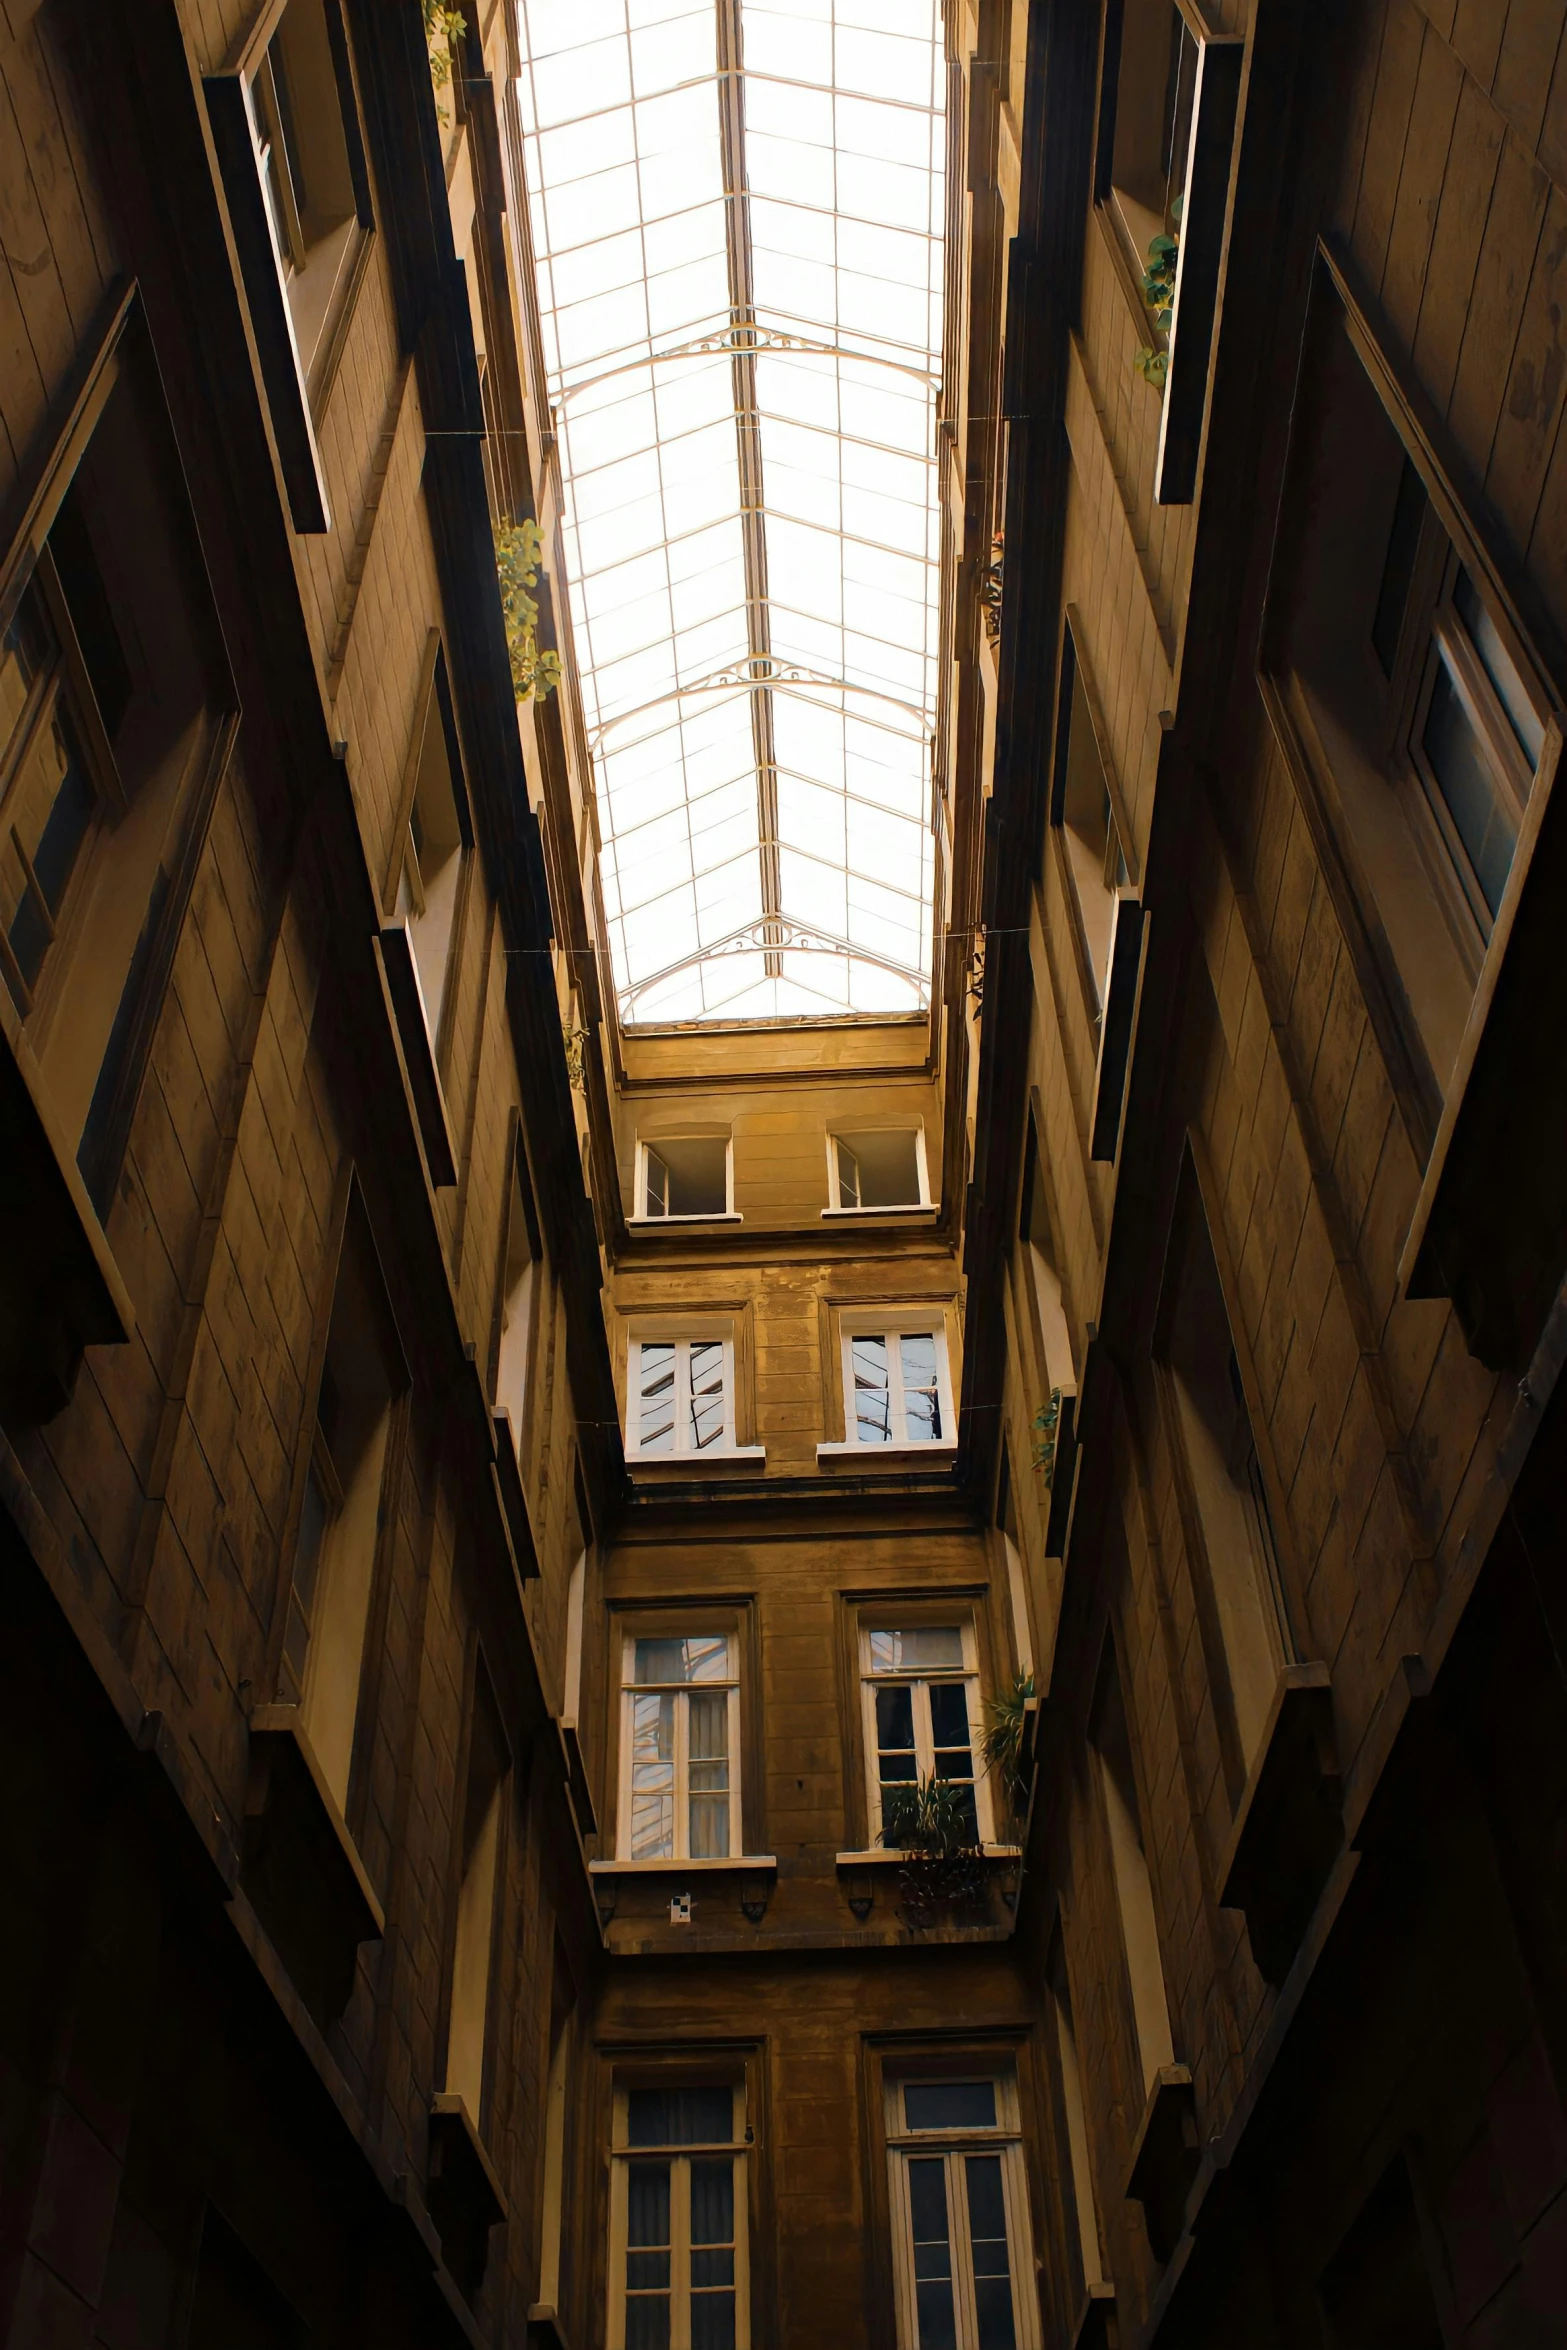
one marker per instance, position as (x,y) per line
(1083,814)
(1043,1266)
(285,123)
(895,1385)
(682,1397)
(339,1522)
(563,2005)
(684,1176)
(480,1860)
(1076,2172)
(963,2255)
(680,1747)
(920,1701)
(678,2276)
(1235,1562)
(1407,699)
(1151,69)
(878,1170)
(520,1280)
(433,850)
(304,118)
(1112,1747)
(111,739)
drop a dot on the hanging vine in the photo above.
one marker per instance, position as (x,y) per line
(535,673)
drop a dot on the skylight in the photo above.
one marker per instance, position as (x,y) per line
(737,214)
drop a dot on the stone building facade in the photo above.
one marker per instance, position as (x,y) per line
(502,1501)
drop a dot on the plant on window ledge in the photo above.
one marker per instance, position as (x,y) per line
(990,586)
(442,27)
(1003,1741)
(1047,1423)
(574,1040)
(1152,360)
(930,1823)
(534,673)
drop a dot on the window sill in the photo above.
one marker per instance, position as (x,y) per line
(912,1207)
(1289,1823)
(662,1223)
(465,2195)
(687,1464)
(301,1866)
(758,1862)
(894,1856)
(1165,2157)
(887,1452)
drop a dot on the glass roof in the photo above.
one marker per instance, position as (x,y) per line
(737,215)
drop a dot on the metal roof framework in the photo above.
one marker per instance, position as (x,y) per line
(737,216)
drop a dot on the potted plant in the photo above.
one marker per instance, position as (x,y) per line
(1006,1724)
(931,1823)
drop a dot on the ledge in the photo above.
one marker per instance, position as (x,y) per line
(758,1861)
(683,1223)
(301,1867)
(1096,2328)
(692,1464)
(887,1452)
(1289,1826)
(1165,2157)
(912,1207)
(545,2331)
(893,1855)
(465,2195)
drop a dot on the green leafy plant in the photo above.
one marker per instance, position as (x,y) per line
(574,1040)
(1047,1426)
(442,27)
(1152,360)
(930,1822)
(518,547)
(1002,1744)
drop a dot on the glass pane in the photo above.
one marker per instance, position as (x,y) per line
(712,2320)
(987,2224)
(708,1736)
(872,1399)
(707,1394)
(1478,802)
(935,1650)
(921,1391)
(895,1733)
(713,2203)
(932,2253)
(652,1778)
(949,2105)
(680,2117)
(676,1661)
(949,1730)
(656,1381)
(44,823)
(647,2254)
(1500,667)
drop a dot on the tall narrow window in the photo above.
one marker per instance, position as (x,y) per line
(681,1396)
(1414,712)
(307,136)
(920,1701)
(678,2266)
(1236,1565)
(434,850)
(1044,1274)
(518,1299)
(896,1389)
(339,1526)
(1112,1747)
(1146,138)
(1083,814)
(468,2028)
(963,2255)
(680,1748)
(1077,2171)
(111,688)
(563,2002)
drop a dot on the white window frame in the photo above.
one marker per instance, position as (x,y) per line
(684,1450)
(903,1323)
(837,1205)
(727,1214)
(961,1619)
(630,1689)
(953,2147)
(680,2159)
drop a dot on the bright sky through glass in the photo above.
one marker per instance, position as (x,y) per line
(739,277)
